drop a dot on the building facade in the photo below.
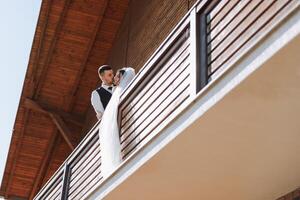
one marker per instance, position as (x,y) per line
(211,114)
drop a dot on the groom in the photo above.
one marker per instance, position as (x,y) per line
(101,96)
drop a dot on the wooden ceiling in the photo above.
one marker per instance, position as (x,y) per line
(72,39)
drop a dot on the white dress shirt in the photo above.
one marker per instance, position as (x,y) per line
(97,103)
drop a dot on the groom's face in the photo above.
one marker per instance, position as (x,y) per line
(108,77)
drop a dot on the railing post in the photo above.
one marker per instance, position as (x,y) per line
(194,52)
(203,68)
(65,182)
(198,38)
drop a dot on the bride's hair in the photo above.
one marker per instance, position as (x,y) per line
(121,72)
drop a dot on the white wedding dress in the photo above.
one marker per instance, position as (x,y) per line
(109,129)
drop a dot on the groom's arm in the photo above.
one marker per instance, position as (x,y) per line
(97,104)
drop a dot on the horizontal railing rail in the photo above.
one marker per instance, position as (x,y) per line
(78,174)
(166,83)
(209,38)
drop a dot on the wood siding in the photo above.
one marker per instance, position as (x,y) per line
(85,169)
(233,26)
(160,93)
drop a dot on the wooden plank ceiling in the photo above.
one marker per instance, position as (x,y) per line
(72,39)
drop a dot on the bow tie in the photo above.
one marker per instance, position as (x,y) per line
(110,88)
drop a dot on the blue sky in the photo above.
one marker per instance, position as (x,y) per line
(17,26)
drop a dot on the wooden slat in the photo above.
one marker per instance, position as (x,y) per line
(90,139)
(237,27)
(260,22)
(147,108)
(84,166)
(81,188)
(218,19)
(181,52)
(152,93)
(85,158)
(89,188)
(217,9)
(179,35)
(88,147)
(87,165)
(94,164)
(213,33)
(96,160)
(160,122)
(155,95)
(168,68)
(94,170)
(56,195)
(57,187)
(81,147)
(54,187)
(157,115)
(160,93)
(55,191)
(89,170)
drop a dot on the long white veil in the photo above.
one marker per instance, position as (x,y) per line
(109,130)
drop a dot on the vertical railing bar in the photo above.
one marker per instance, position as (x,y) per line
(65,182)
(203,68)
(194,52)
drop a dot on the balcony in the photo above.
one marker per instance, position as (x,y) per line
(214,48)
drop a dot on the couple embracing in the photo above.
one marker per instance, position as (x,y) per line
(105,101)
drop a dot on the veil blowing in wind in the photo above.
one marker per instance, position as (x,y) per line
(109,130)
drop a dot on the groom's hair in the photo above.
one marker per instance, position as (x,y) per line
(103,68)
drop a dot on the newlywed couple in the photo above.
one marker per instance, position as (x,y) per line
(105,101)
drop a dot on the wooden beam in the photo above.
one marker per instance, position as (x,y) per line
(40,107)
(65,132)
(56,118)
(43,167)
(30,104)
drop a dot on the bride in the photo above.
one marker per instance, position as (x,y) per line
(109,129)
